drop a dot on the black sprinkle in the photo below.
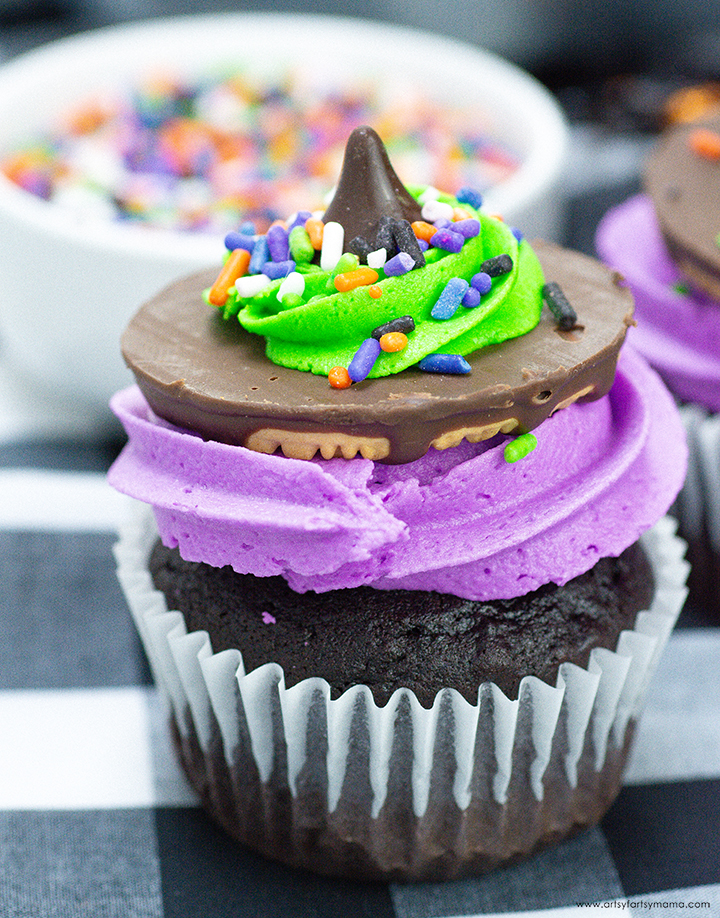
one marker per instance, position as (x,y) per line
(385,239)
(404,324)
(558,304)
(361,247)
(406,241)
(500,264)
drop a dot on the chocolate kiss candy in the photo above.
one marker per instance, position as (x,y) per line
(368,189)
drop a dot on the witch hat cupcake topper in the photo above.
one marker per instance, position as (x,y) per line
(368,189)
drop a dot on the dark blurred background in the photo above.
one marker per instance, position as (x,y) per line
(613,65)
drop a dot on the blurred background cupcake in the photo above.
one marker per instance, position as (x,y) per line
(664,241)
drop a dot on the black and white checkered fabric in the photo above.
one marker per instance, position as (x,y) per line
(97,820)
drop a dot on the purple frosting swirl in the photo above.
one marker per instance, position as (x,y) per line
(461,521)
(678,333)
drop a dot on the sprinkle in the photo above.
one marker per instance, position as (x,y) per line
(460,213)
(520,447)
(399,264)
(467,228)
(277,239)
(291,300)
(500,264)
(436,210)
(453,364)
(293,284)
(406,241)
(375,291)
(558,304)
(364,359)
(298,219)
(393,341)
(403,324)
(448,240)
(360,247)
(260,256)
(301,248)
(705,143)
(268,618)
(482,282)
(339,378)
(360,277)
(332,245)
(518,234)
(235,266)
(470,196)
(450,298)
(347,262)
(251,284)
(423,229)
(384,237)
(276,269)
(239,241)
(377,258)
(315,228)
(428,194)
(471,298)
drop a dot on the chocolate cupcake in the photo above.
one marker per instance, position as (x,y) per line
(664,242)
(405,593)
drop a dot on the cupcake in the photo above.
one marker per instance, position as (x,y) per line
(401,562)
(664,241)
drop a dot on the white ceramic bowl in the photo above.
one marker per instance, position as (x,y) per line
(69,285)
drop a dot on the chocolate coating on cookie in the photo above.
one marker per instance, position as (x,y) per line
(685,191)
(212,377)
(425,641)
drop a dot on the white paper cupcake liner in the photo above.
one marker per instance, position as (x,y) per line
(344,786)
(698,505)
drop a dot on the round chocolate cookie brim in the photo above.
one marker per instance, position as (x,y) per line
(209,376)
(388,639)
(685,191)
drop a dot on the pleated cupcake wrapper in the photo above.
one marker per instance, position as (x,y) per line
(588,708)
(699,502)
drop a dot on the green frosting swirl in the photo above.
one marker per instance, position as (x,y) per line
(324,330)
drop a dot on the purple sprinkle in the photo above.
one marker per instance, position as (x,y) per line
(467,228)
(239,241)
(247,228)
(443,223)
(260,256)
(467,195)
(268,618)
(482,282)
(444,363)
(276,269)
(449,300)
(301,218)
(518,234)
(423,245)
(448,240)
(364,359)
(471,298)
(277,238)
(399,264)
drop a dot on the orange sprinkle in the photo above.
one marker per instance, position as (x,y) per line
(498,217)
(236,265)
(459,213)
(423,230)
(375,291)
(393,341)
(705,143)
(359,277)
(339,378)
(315,229)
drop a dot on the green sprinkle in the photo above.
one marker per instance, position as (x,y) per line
(681,288)
(520,447)
(301,249)
(348,262)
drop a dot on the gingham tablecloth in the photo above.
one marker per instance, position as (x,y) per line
(97,820)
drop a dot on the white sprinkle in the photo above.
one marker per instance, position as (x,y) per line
(293,283)
(437,210)
(429,194)
(332,245)
(250,284)
(377,258)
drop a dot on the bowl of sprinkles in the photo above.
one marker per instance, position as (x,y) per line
(127,153)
